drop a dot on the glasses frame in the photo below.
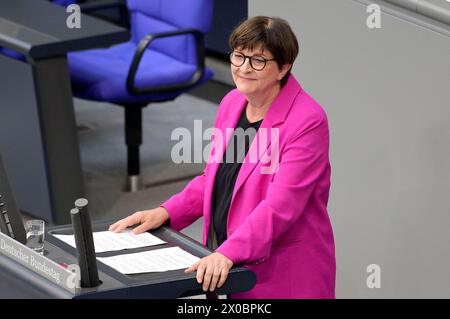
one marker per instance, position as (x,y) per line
(230,55)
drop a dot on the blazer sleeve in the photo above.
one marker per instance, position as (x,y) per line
(302,162)
(186,207)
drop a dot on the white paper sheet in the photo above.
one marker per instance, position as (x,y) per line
(109,241)
(151,261)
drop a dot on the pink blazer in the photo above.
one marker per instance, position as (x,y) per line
(278,225)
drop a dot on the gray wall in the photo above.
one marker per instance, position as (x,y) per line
(387,95)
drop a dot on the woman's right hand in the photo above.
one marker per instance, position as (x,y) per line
(148,219)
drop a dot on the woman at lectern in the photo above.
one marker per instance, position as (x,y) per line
(264,201)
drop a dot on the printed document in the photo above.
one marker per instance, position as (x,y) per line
(151,261)
(109,241)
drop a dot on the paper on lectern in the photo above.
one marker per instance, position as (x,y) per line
(108,241)
(151,261)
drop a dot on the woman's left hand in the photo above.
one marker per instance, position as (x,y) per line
(212,270)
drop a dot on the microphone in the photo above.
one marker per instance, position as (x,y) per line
(84,241)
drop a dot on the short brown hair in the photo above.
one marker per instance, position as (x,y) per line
(273,34)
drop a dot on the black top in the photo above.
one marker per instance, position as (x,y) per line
(227,174)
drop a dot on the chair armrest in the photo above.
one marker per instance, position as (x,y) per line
(145,42)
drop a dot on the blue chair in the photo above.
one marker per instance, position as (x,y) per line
(163,59)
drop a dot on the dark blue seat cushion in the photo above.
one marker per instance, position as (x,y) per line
(101,74)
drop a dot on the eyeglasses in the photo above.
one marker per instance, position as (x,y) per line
(256,62)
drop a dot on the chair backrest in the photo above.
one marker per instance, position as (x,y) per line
(154,16)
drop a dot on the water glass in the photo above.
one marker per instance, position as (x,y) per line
(35,234)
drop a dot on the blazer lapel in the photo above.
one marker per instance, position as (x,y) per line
(276,115)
